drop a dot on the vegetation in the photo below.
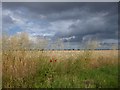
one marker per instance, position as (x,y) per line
(57,69)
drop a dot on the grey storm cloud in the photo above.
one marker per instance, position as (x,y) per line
(83,20)
(60,9)
(7,19)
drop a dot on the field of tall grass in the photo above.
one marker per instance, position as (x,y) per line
(23,68)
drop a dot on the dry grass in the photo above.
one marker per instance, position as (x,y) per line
(20,62)
(25,68)
(18,65)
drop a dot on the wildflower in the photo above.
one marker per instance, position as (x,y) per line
(55,60)
(50,60)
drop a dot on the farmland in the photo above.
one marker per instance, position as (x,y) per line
(60,69)
(23,67)
(59,44)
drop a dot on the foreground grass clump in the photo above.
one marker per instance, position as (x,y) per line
(60,69)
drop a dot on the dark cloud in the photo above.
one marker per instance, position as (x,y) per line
(96,26)
(84,20)
(60,6)
(7,19)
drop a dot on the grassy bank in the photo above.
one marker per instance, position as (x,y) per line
(60,69)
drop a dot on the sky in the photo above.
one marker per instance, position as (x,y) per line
(75,23)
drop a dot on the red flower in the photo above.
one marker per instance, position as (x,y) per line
(55,60)
(50,60)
